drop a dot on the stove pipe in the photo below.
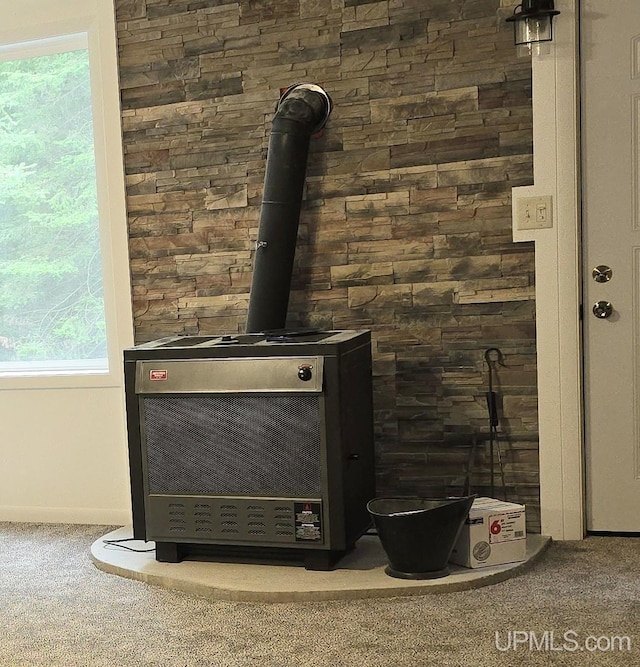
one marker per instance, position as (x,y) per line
(302,111)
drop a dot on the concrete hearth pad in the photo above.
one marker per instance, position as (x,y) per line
(360,574)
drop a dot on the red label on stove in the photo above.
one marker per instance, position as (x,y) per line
(158,375)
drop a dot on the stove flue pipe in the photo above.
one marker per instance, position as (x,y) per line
(302,111)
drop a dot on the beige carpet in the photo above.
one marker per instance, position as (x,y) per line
(58,610)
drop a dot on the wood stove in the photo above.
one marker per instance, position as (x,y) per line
(251,446)
(262,441)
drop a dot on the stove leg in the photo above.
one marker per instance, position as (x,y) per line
(322,560)
(169,552)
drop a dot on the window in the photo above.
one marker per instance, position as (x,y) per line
(52,317)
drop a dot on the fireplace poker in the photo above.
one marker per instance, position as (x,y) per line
(493,356)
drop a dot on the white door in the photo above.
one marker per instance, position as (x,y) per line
(65,308)
(610,47)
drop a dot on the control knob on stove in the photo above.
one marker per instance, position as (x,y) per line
(304,372)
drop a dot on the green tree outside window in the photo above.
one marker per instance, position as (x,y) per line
(51,295)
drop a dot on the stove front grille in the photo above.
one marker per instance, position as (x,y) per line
(233,444)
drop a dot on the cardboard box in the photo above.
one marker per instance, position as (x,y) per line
(493,534)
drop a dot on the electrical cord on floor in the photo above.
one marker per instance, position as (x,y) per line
(118,543)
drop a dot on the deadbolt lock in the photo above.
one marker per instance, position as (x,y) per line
(602,309)
(602,273)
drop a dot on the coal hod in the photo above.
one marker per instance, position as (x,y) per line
(418,534)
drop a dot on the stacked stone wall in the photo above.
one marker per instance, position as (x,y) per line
(406,224)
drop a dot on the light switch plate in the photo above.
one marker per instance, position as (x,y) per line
(534,212)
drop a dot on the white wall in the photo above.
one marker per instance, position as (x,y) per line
(556,173)
(65,460)
(62,439)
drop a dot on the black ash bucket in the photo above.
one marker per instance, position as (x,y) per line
(418,534)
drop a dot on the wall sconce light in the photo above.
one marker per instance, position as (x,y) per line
(532,25)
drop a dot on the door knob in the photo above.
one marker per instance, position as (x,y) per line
(602,309)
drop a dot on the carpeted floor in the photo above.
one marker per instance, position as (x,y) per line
(58,610)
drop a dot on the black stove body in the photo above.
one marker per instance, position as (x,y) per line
(251,446)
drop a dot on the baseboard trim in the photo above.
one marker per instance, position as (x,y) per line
(84,515)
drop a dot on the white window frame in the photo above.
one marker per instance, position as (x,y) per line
(82,23)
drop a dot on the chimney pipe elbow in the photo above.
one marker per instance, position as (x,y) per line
(307,104)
